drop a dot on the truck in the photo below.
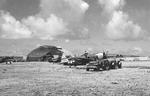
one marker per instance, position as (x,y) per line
(104,63)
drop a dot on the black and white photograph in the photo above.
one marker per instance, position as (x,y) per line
(74,47)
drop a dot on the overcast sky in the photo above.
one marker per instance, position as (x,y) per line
(119,26)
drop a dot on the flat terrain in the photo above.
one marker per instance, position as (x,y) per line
(45,79)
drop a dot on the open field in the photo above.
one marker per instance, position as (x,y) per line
(45,79)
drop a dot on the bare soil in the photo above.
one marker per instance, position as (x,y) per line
(46,79)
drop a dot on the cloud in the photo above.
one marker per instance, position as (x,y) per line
(56,18)
(78,33)
(111,5)
(84,33)
(78,5)
(11,28)
(120,27)
(31,27)
(69,10)
(45,29)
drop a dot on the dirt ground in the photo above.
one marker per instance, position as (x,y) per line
(45,79)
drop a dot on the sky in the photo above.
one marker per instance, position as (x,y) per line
(117,26)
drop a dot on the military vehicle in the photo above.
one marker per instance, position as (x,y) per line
(104,63)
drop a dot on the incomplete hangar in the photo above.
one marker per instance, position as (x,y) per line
(43,53)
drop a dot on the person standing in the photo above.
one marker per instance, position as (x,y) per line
(86,54)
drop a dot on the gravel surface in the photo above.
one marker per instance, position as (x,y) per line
(46,79)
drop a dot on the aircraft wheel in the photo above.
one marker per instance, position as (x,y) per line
(120,65)
(87,69)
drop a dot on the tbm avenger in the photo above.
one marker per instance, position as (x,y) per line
(80,60)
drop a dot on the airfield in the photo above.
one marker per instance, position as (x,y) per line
(48,79)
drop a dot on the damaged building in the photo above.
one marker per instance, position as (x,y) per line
(43,53)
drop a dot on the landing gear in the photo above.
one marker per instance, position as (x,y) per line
(87,69)
(8,62)
(120,65)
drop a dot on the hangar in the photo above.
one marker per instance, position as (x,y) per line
(43,53)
